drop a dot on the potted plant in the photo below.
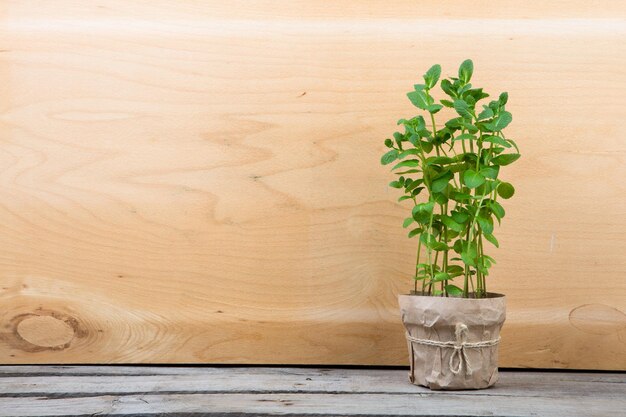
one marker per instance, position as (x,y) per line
(451,174)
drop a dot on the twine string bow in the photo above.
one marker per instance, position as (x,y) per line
(460,346)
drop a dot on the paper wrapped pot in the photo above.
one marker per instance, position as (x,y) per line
(453,342)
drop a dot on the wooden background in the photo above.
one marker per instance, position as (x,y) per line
(198,181)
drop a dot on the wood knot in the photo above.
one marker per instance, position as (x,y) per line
(598,319)
(42,332)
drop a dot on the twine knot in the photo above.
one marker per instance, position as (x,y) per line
(460,346)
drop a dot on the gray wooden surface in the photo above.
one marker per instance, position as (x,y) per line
(238,391)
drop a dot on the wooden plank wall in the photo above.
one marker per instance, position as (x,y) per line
(186,181)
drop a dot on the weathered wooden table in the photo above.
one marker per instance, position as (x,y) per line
(255,391)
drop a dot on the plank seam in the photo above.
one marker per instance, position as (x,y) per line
(61,396)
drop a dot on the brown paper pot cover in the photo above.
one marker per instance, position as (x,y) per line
(453,341)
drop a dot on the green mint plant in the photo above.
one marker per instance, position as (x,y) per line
(451,174)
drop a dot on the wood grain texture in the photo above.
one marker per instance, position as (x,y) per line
(199,181)
(190,391)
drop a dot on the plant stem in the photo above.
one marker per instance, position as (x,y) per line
(480,148)
(429,250)
(417,262)
(463,142)
(467,270)
(481,251)
(444,266)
